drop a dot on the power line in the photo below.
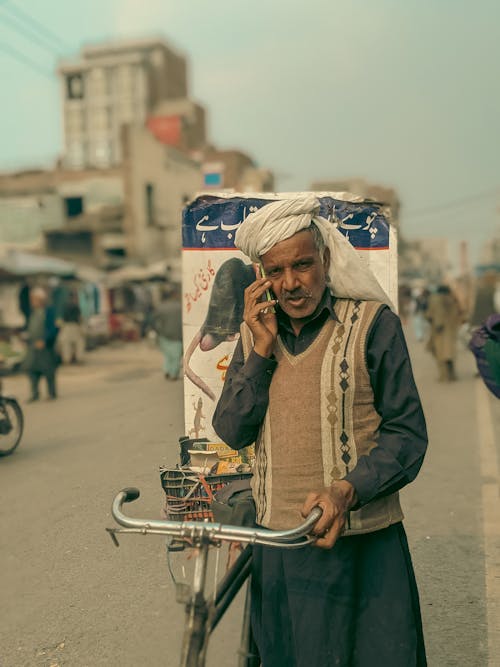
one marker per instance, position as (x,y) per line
(453,204)
(20,57)
(23,15)
(29,34)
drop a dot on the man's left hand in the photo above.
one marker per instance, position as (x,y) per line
(335,502)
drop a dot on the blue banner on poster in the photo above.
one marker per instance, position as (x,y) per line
(211,221)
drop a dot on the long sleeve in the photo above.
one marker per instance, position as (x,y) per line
(400,449)
(51,329)
(244,399)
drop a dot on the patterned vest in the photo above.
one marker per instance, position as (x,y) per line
(320,420)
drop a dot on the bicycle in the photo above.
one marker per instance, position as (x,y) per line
(203,615)
(11,423)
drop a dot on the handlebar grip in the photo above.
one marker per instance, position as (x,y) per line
(131,494)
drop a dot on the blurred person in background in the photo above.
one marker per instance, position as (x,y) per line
(405,302)
(41,358)
(485,346)
(167,322)
(420,304)
(71,337)
(496,296)
(24,302)
(445,317)
(484,299)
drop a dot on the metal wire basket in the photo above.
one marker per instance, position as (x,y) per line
(189,495)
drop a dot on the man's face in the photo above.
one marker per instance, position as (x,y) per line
(297,273)
(36,301)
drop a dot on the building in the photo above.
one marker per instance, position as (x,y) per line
(424,258)
(180,123)
(490,252)
(158,181)
(236,170)
(103,217)
(110,85)
(135,151)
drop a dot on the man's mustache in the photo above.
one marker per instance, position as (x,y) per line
(296,294)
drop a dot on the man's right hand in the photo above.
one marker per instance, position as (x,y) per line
(259,318)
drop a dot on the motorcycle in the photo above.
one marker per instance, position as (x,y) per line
(11,423)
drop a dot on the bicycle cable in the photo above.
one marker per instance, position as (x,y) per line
(168,541)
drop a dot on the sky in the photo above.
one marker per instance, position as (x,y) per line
(404,93)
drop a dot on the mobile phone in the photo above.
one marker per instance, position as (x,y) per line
(268,292)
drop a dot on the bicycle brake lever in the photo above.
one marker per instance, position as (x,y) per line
(112,533)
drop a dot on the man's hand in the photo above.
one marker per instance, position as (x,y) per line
(258,316)
(39,344)
(335,502)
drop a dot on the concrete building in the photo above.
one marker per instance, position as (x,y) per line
(33,202)
(234,169)
(61,211)
(427,258)
(490,252)
(135,150)
(180,123)
(110,85)
(103,217)
(158,181)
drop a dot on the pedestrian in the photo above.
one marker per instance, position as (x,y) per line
(420,304)
(484,300)
(41,358)
(485,345)
(324,387)
(24,302)
(71,337)
(167,322)
(445,317)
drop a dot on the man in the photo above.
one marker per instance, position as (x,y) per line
(71,336)
(41,359)
(420,305)
(167,323)
(325,388)
(485,345)
(445,317)
(24,302)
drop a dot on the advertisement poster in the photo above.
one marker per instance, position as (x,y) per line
(215,275)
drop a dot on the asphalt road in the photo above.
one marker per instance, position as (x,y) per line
(69,597)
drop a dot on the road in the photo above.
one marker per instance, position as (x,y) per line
(69,597)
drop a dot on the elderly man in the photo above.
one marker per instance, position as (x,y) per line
(322,382)
(445,316)
(167,322)
(41,358)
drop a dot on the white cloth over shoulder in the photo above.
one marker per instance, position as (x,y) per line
(349,276)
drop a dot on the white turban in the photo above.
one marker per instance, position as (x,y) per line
(349,277)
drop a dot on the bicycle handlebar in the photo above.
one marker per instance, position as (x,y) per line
(212,532)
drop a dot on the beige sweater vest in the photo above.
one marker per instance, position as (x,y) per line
(320,420)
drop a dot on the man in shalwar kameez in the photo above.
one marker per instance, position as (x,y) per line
(322,382)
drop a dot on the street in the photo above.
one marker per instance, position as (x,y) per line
(69,597)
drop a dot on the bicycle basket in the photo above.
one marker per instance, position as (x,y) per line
(189,495)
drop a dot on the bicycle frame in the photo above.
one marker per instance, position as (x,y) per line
(203,616)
